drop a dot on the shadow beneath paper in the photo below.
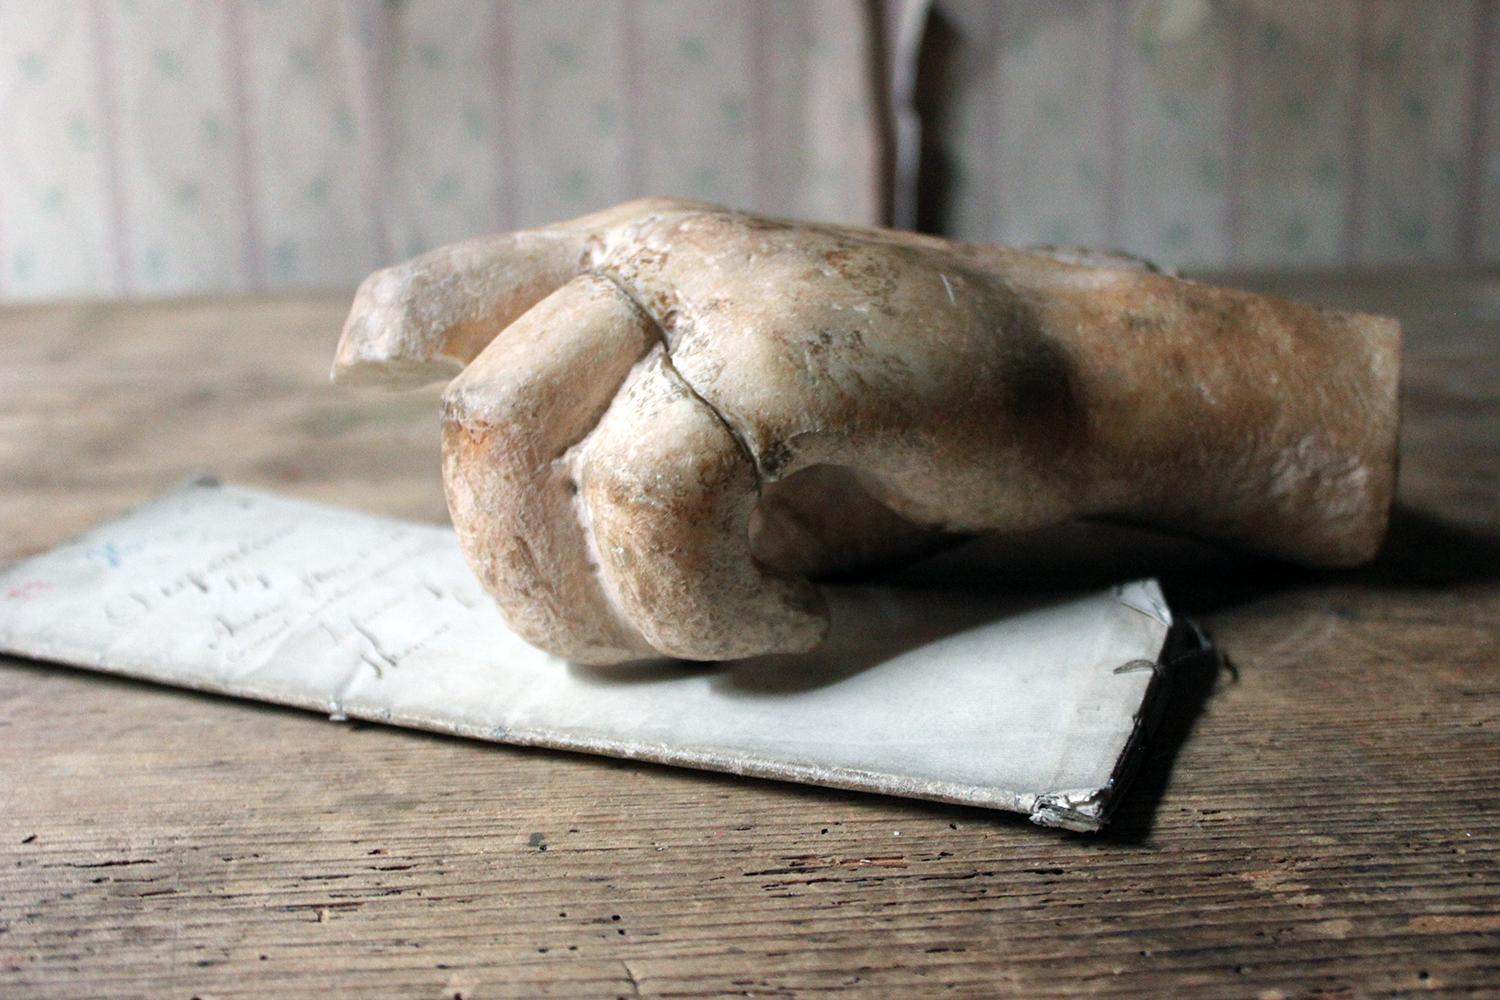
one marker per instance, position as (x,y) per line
(1193,668)
(1422,552)
(989,578)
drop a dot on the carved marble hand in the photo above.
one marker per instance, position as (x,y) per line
(668,416)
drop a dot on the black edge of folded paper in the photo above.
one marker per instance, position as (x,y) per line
(1090,811)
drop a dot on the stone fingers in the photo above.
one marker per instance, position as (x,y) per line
(601,502)
(669,492)
(424,319)
(509,422)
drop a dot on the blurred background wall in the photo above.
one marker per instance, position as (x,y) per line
(1203,133)
(153,147)
(165,146)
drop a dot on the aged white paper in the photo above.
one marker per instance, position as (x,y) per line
(932,694)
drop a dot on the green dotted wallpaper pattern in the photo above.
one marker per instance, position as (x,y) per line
(166,146)
(1271,133)
(153,147)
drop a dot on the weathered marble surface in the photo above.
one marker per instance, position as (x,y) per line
(667,416)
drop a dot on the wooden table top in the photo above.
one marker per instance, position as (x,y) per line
(1317,819)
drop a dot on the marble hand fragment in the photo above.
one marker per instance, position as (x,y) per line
(667,419)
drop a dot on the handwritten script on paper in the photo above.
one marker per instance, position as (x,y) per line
(933,694)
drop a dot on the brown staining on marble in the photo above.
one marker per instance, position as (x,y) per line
(710,407)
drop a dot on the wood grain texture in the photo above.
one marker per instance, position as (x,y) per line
(1319,819)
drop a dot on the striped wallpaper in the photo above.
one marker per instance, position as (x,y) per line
(152,147)
(163,147)
(1261,133)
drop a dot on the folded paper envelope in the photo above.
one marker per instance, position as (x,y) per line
(944,695)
